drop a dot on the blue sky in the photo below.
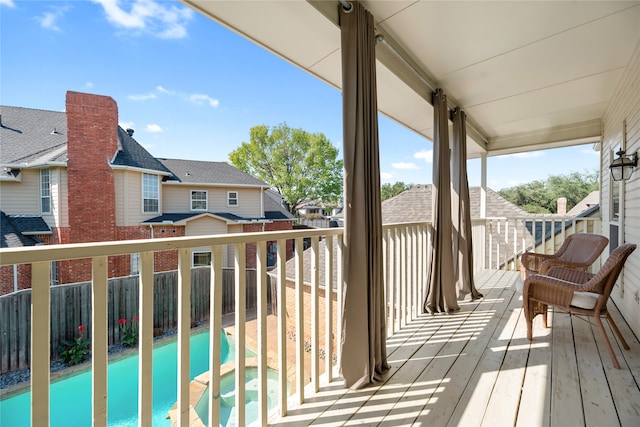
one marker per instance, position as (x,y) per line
(192,89)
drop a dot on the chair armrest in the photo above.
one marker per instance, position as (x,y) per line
(532,261)
(547,264)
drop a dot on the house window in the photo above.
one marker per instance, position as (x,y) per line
(198,200)
(135,264)
(150,193)
(615,201)
(232,198)
(45,191)
(201,259)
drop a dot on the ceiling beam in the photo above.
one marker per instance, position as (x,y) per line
(555,137)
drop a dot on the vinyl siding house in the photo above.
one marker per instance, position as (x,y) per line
(76,176)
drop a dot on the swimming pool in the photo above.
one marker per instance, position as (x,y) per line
(70,402)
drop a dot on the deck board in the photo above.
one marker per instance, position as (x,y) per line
(476,367)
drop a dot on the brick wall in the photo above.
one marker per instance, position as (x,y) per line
(291,313)
(92,141)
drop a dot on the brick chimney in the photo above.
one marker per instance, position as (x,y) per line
(562,206)
(92,141)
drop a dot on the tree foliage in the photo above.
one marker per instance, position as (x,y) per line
(542,196)
(388,191)
(298,164)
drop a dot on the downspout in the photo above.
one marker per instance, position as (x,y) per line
(151,230)
(15,277)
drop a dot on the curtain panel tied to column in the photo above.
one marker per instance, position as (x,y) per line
(364,354)
(441,295)
(462,241)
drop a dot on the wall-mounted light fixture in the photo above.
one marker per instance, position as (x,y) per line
(622,166)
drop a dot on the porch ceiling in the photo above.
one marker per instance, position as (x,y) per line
(530,75)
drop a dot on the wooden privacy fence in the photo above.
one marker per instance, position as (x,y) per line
(71,307)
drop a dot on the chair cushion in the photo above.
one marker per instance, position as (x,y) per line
(585,300)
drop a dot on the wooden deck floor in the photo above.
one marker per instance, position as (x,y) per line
(477,368)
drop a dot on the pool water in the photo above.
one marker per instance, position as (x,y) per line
(70,398)
(227,394)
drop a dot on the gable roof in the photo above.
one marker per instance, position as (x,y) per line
(202,172)
(182,218)
(592,199)
(273,208)
(132,154)
(415,205)
(31,136)
(19,230)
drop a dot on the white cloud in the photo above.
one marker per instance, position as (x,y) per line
(126,125)
(88,85)
(154,128)
(201,99)
(8,3)
(426,155)
(142,97)
(149,16)
(386,175)
(49,20)
(404,165)
(163,90)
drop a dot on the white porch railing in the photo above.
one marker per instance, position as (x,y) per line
(497,244)
(503,240)
(404,250)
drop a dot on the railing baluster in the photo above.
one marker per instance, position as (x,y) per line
(240,322)
(315,317)
(340,297)
(215,329)
(99,342)
(145,360)
(299,265)
(261,284)
(328,301)
(282,325)
(184,329)
(40,331)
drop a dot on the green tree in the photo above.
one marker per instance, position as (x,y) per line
(542,196)
(298,164)
(388,191)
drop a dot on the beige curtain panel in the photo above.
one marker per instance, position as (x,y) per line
(461,212)
(441,295)
(364,354)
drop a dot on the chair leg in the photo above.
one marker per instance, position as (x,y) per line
(607,342)
(617,331)
(544,315)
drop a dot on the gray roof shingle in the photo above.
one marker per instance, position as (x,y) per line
(132,154)
(12,237)
(273,208)
(415,205)
(31,136)
(201,172)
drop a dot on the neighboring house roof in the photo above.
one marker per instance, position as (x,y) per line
(32,136)
(415,205)
(30,224)
(201,172)
(273,208)
(132,154)
(18,231)
(592,199)
(176,218)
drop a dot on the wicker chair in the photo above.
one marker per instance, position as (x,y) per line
(578,251)
(576,292)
